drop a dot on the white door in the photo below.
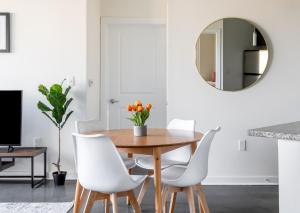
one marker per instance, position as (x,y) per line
(134,56)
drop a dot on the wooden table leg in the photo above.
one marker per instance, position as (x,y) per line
(157,179)
(114,201)
(77,199)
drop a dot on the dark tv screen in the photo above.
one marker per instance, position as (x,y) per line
(11,118)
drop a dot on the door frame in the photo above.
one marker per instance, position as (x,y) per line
(104,75)
(218,55)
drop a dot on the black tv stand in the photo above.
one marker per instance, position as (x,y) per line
(24,152)
(10,149)
(6,164)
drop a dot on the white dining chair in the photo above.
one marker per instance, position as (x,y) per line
(84,195)
(188,178)
(94,126)
(102,171)
(180,156)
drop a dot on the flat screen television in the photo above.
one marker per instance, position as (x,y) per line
(11,118)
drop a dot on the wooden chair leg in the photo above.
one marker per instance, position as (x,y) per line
(129,155)
(134,202)
(190,198)
(114,201)
(106,205)
(201,210)
(143,190)
(90,202)
(83,196)
(77,199)
(199,204)
(164,197)
(127,198)
(202,200)
(172,202)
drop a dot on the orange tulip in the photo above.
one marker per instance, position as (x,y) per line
(129,108)
(148,107)
(133,108)
(140,109)
(138,103)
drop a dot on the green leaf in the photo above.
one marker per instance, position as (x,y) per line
(48,116)
(43,107)
(67,104)
(43,90)
(52,100)
(56,89)
(56,100)
(67,90)
(132,119)
(139,116)
(67,117)
(57,114)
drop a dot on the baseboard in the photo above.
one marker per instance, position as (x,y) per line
(241,180)
(210,180)
(227,180)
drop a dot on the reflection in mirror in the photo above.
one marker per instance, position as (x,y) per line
(231,54)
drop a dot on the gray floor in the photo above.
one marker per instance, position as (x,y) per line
(221,199)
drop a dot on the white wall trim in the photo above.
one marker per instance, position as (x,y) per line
(225,180)
(241,180)
(210,180)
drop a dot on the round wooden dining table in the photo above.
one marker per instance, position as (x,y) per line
(156,143)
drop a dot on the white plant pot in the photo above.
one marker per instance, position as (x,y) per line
(140,131)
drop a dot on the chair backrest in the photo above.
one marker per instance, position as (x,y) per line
(88,126)
(182,154)
(99,165)
(198,166)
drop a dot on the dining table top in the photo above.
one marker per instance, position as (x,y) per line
(156,137)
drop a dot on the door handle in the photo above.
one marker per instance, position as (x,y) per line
(112,101)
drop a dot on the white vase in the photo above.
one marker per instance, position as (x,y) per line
(139,131)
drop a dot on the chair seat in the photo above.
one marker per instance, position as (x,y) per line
(136,180)
(146,162)
(129,162)
(171,174)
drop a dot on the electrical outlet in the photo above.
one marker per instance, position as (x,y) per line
(242,145)
(38,142)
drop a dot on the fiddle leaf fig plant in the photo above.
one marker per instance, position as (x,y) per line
(56,109)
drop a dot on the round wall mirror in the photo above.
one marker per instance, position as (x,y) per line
(231,54)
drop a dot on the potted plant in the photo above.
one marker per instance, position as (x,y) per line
(58,114)
(139,116)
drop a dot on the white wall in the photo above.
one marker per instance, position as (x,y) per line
(275,99)
(48,45)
